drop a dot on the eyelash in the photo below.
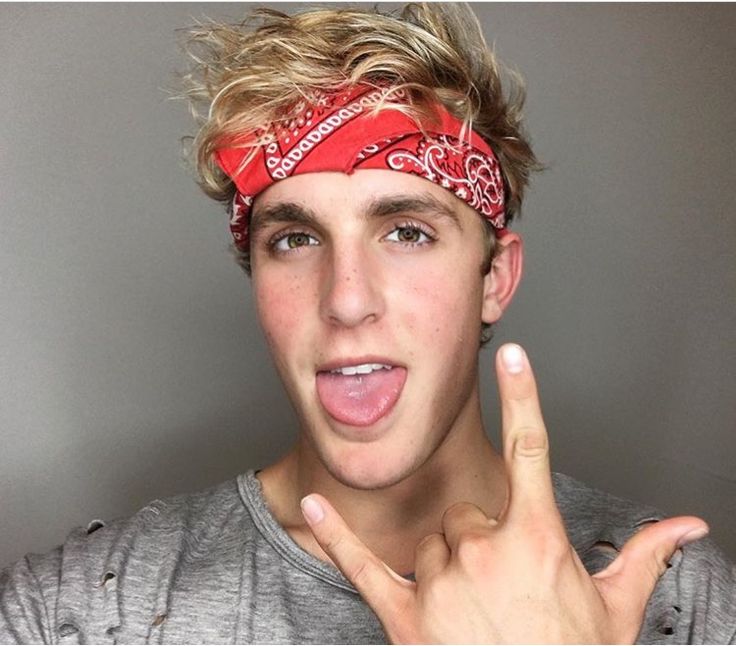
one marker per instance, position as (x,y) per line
(284,236)
(414,226)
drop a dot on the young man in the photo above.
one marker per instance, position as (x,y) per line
(373,166)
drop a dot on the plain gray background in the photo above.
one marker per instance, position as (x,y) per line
(132,364)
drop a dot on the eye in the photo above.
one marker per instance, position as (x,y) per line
(290,241)
(410,234)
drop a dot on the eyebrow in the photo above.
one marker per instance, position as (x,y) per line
(287,212)
(383,206)
(424,203)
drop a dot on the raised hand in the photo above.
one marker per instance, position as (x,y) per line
(515,579)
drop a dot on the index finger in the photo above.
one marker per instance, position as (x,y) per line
(525,440)
(383,590)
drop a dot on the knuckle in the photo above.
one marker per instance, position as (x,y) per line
(557,561)
(555,551)
(456,511)
(552,549)
(524,396)
(563,554)
(530,443)
(473,548)
(429,541)
(360,575)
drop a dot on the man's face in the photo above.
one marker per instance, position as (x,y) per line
(376,272)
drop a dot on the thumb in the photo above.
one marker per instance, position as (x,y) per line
(628,582)
(388,594)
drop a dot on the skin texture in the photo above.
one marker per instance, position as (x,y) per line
(358,291)
(414,491)
(359,294)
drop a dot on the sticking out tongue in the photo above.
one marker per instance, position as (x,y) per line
(360,400)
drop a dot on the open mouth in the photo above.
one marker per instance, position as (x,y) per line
(360,394)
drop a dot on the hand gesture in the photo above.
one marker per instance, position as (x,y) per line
(515,579)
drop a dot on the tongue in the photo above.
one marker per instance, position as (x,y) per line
(360,400)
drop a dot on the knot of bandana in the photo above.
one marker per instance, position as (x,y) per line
(340,133)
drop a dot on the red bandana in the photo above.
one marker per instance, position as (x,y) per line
(337,133)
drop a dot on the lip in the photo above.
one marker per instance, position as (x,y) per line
(359,406)
(334,364)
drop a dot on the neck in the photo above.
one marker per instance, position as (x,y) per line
(391,521)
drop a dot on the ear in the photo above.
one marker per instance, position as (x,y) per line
(501,282)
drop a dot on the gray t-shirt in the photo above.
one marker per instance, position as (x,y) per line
(215,566)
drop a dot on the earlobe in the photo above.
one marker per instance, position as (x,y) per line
(499,284)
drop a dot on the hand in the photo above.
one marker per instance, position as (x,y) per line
(512,580)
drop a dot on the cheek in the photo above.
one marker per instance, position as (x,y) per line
(280,303)
(442,304)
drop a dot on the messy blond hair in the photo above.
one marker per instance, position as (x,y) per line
(249,76)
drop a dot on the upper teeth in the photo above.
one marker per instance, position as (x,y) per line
(362,369)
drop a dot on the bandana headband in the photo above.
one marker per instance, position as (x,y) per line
(338,133)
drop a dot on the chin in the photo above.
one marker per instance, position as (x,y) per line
(365,481)
(370,468)
(377,457)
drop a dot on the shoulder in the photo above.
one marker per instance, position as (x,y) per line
(700,589)
(76,587)
(694,601)
(104,550)
(592,516)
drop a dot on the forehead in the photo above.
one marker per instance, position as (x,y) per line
(329,193)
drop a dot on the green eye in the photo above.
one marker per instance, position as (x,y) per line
(409,235)
(295,240)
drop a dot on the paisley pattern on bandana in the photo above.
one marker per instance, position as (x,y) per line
(472,176)
(239,218)
(340,133)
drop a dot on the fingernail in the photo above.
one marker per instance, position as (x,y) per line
(693,535)
(513,358)
(312,510)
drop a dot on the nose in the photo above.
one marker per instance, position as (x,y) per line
(351,288)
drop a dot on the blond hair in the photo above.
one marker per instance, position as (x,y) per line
(248,77)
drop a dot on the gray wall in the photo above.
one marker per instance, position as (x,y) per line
(132,365)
